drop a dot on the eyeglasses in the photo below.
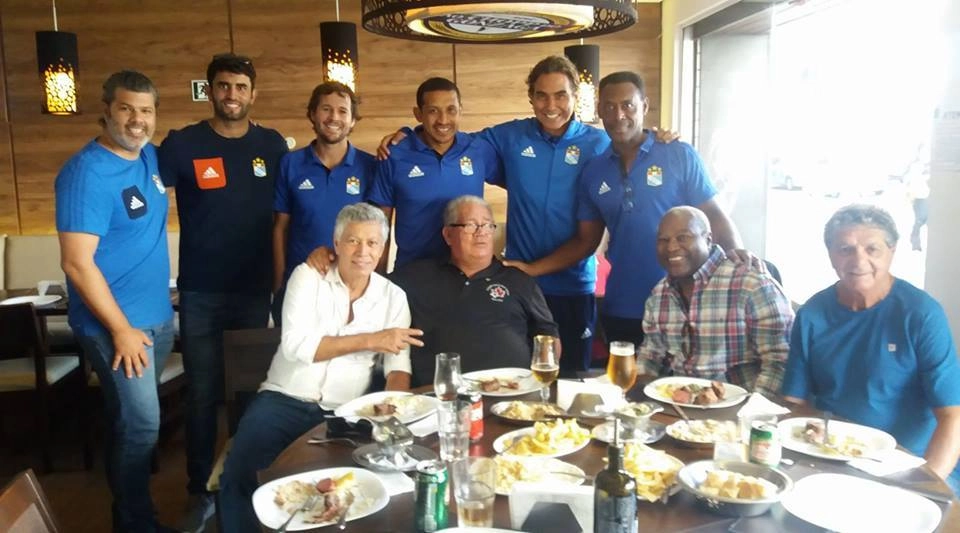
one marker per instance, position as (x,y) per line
(472,227)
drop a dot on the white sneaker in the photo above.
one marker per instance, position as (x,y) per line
(199,510)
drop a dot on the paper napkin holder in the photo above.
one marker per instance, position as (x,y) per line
(578,499)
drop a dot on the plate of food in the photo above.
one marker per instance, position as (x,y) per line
(847,441)
(735,488)
(381,405)
(502,382)
(545,439)
(273,502)
(512,468)
(525,412)
(703,433)
(647,433)
(695,392)
(654,471)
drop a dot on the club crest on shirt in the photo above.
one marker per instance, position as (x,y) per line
(497,292)
(353,185)
(466,166)
(572,157)
(654,176)
(158,183)
(259,168)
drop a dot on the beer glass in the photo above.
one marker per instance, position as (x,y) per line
(474,481)
(446,377)
(622,366)
(544,363)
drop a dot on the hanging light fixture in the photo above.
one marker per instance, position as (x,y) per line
(586,57)
(496,21)
(59,63)
(338,41)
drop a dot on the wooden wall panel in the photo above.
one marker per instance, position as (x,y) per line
(9,212)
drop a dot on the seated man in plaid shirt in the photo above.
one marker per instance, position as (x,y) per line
(711,318)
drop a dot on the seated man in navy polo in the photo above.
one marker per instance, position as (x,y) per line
(334,326)
(429,168)
(469,302)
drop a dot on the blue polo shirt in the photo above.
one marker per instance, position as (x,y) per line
(417,182)
(663,176)
(124,203)
(313,195)
(540,173)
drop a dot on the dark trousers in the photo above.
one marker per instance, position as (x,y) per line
(203,319)
(622,329)
(576,316)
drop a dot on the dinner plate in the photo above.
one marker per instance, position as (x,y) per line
(523,377)
(850,504)
(874,439)
(547,469)
(733,395)
(37,301)
(505,440)
(703,433)
(363,406)
(370,496)
(498,409)
(650,433)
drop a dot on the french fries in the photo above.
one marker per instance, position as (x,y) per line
(549,438)
(653,470)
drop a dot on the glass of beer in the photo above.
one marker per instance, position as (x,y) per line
(622,365)
(544,363)
(446,376)
(474,479)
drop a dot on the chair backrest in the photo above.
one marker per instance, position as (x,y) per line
(31,258)
(24,508)
(247,354)
(23,334)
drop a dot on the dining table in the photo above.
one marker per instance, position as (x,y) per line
(59,308)
(681,513)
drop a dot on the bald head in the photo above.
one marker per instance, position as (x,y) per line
(683,241)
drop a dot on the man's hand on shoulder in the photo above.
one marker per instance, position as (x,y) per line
(383,151)
(395,340)
(320,259)
(130,352)
(520,265)
(664,136)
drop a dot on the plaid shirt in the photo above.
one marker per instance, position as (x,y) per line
(737,328)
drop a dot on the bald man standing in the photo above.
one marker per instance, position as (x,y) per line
(709,317)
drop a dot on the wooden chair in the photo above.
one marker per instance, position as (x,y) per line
(24,508)
(31,380)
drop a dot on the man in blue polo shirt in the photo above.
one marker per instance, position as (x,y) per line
(434,164)
(112,224)
(626,190)
(315,183)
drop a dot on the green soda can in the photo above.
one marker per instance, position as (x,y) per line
(430,497)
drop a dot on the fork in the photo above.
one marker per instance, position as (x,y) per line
(827,415)
(308,504)
(345,440)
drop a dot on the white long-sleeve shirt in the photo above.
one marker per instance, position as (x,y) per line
(317,306)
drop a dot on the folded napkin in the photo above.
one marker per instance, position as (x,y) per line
(425,426)
(887,462)
(395,482)
(759,405)
(566,390)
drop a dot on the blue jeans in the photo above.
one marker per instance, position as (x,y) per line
(203,319)
(271,422)
(133,416)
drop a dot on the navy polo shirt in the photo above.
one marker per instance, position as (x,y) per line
(663,176)
(540,173)
(418,183)
(313,195)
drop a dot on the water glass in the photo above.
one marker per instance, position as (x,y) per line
(474,479)
(446,376)
(453,428)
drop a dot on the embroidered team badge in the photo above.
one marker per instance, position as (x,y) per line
(353,185)
(497,292)
(259,168)
(158,183)
(654,176)
(572,157)
(466,166)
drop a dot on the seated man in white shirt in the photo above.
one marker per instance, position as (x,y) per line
(334,325)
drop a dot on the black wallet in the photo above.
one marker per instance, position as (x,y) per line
(339,427)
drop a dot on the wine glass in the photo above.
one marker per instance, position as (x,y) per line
(544,363)
(622,366)
(446,378)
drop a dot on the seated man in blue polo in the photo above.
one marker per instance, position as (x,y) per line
(316,182)
(430,167)
(334,327)
(876,350)
(709,317)
(469,303)
(626,190)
